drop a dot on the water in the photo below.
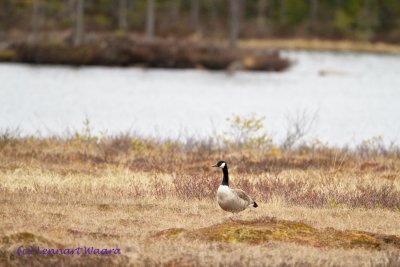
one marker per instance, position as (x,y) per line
(358,98)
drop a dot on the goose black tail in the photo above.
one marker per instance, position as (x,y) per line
(255,205)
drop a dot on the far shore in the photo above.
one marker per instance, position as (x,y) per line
(322,45)
(129,49)
(136,50)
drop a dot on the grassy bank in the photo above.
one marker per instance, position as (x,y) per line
(323,45)
(155,200)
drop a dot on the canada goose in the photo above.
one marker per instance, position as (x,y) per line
(232,200)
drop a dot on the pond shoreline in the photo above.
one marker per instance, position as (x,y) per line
(355,96)
(156,53)
(190,53)
(322,45)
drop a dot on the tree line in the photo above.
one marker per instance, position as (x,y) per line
(372,20)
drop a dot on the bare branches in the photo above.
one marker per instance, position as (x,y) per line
(234,7)
(246,132)
(298,127)
(150,20)
(122,14)
(79,23)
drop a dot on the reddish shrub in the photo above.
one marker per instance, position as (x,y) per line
(197,187)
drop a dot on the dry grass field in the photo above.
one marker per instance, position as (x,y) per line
(155,202)
(323,45)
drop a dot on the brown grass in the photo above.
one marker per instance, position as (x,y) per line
(156,202)
(323,45)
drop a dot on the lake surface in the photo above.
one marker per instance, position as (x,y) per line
(356,97)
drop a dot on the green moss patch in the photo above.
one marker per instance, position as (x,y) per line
(10,243)
(104,207)
(171,232)
(270,229)
(26,238)
(7,55)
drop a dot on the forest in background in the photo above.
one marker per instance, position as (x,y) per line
(365,20)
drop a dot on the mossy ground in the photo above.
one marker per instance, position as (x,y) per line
(9,245)
(270,229)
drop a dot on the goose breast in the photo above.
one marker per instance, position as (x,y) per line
(229,200)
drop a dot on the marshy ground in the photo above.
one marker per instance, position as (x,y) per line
(156,202)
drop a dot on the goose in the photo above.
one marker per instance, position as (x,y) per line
(229,199)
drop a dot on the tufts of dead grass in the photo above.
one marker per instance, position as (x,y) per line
(156,200)
(85,151)
(9,245)
(323,45)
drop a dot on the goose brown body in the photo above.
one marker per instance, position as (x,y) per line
(229,199)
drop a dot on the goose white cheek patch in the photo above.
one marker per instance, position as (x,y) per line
(222,165)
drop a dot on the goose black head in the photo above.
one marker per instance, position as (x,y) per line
(220,164)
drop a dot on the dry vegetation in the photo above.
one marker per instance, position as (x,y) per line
(322,45)
(154,200)
(134,50)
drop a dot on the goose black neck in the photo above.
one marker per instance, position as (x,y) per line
(225,180)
